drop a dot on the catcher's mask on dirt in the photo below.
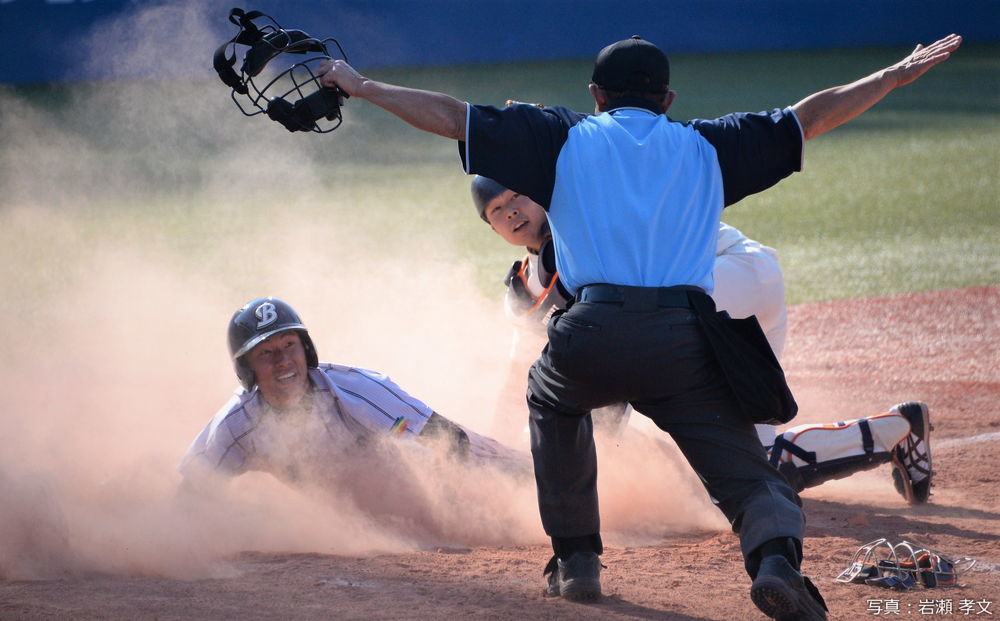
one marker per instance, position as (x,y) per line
(293,97)
(902,566)
(258,320)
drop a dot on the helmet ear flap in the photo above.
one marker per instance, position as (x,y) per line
(244,373)
(312,358)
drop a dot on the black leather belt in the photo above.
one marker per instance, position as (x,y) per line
(673,297)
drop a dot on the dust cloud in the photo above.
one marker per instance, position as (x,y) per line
(135,218)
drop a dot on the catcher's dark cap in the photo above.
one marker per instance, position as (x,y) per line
(632,65)
(484,190)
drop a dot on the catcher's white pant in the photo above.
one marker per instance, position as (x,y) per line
(813,453)
(748,281)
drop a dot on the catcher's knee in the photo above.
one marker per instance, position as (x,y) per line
(793,476)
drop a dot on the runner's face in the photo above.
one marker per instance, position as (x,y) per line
(518,219)
(279,366)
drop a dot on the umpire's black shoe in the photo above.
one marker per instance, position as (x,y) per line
(784,594)
(577,579)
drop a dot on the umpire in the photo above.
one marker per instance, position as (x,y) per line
(634,244)
(634,201)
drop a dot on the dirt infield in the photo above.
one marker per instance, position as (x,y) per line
(844,359)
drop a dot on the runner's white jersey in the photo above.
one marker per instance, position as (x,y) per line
(348,405)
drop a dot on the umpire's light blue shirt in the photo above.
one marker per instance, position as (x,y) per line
(637,201)
(633,198)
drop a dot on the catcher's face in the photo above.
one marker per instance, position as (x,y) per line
(279,366)
(518,219)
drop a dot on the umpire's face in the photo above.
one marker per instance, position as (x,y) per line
(518,219)
(279,366)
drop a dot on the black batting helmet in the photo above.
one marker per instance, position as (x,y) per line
(256,321)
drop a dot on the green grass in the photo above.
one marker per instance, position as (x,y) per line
(903,199)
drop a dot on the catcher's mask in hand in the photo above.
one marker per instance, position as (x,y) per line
(293,97)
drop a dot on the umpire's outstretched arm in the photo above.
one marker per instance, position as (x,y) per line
(432,112)
(825,110)
(818,113)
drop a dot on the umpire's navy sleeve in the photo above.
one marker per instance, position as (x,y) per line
(517,146)
(755,151)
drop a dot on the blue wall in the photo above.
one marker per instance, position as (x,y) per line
(46,40)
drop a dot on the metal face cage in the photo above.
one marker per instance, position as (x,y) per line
(292,97)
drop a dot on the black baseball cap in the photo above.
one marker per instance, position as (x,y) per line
(633,64)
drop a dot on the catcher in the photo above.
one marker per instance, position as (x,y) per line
(748,281)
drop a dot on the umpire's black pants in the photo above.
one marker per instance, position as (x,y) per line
(657,359)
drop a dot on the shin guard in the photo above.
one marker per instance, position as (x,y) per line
(811,454)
